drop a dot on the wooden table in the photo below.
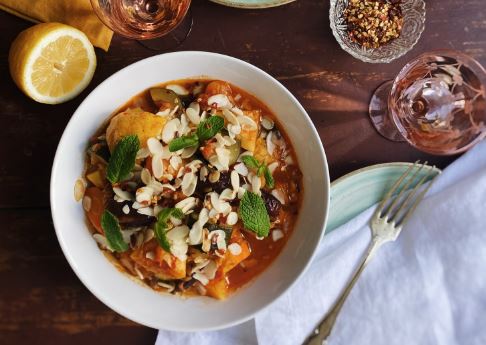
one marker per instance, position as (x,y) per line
(41,300)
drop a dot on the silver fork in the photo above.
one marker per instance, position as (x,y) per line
(386,224)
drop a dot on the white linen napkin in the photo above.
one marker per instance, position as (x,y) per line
(428,287)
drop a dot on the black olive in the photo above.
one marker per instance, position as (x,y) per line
(272,204)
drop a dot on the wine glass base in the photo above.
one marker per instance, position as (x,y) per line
(380,115)
(173,39)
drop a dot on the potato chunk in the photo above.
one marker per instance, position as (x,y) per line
(219,287)
(164,265)
(134,121)
(248,136)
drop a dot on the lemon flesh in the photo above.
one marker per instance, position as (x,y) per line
(52,62)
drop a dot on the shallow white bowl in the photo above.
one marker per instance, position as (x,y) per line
(140,303)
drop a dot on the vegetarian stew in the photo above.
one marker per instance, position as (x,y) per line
(192,187)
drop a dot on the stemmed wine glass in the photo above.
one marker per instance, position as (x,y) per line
(147,20)
(437,103)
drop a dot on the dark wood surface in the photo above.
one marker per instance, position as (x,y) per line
(41,300)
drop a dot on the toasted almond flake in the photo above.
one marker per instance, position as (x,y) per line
(156,185)
(79,189)
(247,122)
(144,195)
(140,275)
(270,143)
(166,112)
(154,146)
(234,130)
(173,111)
(232,218)
(184,127)
(235,181)
(277,234)
(223,155)
(256,184)
(186,204)
(126,209)
(235,249)
(175,162)
(203,173)
(210,270)
(189,182)
(87,203)
(237,111)
(213,214)
(170,130)
(150,255)
(272,166)
(168,186)
(179,233)
(279,195)
(193,115)
(196,233)
(102,241)
(241,169)
(230,117)
(220,101)
(267,123)
(206,243)
(157,166)
(194,165)
(169,177)
(149,234)
(201,278)
(227,194)
(178,89)
(168,287)
(214,176)
(145,176)
(166,154)
(147,211)
(188,152)
(215,201)
(122,195)
(204,114)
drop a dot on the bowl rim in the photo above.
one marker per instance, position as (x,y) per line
(365,58)
(126,313)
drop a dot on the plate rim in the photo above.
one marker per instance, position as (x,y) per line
(352,174)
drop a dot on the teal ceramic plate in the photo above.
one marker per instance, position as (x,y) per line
(355,192)
(252,3)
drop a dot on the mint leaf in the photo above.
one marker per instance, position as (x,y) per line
(254,214)
(209,127)
(161,235)
(161,226)
(112,230)
(122,160)
(268,177)
(251,162)
(183,142)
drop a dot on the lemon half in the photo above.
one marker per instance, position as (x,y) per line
(52,62)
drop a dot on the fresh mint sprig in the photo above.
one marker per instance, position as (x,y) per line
(261,169)
(205,131)
(122,159)
(161,226)
(254,214)
(112,231)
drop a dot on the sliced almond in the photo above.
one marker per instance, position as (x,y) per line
(154,146)
(170,130)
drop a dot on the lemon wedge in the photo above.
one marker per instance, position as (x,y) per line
(52,62)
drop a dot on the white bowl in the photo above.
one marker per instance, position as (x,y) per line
(140,303)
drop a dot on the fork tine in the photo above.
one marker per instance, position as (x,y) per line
(392,190)
(404,189)
(417,200)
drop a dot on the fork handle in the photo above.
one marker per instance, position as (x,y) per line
(323,330)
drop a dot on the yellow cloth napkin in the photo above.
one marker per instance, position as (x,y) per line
(77,13)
